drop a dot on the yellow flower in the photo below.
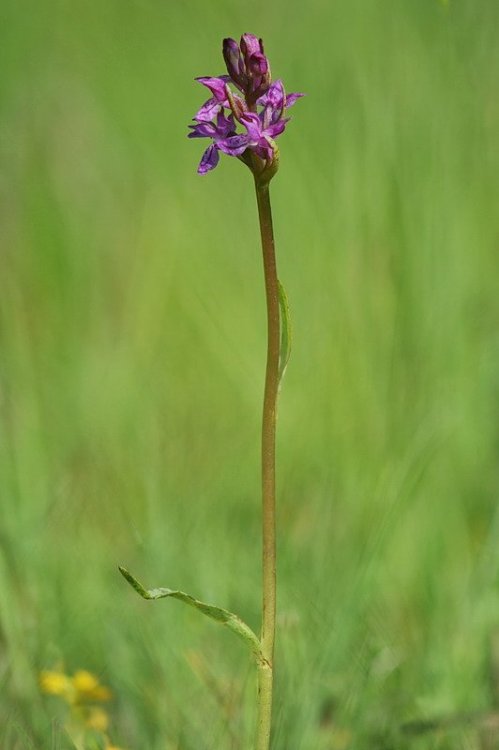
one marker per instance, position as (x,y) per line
(97,719)
(56,683)
(88,688)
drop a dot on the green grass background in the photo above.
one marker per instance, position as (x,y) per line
(131,371)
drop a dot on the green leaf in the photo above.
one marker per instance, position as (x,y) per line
(232,621)
(286,332)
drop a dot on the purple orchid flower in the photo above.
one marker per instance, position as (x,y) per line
(290,99)
(263,128)
(224,137)
(261,112)
(219,100)
(261,134)
(216,103)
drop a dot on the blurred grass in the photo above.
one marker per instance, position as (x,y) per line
(131,367)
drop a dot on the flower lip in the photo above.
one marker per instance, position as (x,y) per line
(209,110)
(234,145)
(209,159)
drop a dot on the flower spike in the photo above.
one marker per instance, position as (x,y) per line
(259,108)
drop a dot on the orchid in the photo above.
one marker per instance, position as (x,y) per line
(260,113)
(244,115)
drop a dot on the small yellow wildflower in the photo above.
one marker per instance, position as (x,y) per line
(56,683)
(97,719)
(81,691)
(88,688)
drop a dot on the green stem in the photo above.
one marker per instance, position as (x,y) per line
(265,668)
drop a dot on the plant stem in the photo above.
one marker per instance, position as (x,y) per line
(265,668)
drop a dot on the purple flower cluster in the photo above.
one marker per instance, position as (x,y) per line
(259,107)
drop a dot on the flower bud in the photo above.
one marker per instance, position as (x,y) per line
(254,57)
(235,63)
(257,65)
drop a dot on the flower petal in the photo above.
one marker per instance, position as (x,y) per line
(292,99)
(254,57)
(251,45)
(235,145)
(256,65)
(202,130)
(216,86)
(209,160)
(276,128)
(225,125)
(209,110)
(234,62)
(253,125)
(275,95)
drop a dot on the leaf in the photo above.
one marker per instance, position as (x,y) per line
(286,332)
(232,621)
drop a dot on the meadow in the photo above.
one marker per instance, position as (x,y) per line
(132,347)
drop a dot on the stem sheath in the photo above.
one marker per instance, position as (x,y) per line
(265,669)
